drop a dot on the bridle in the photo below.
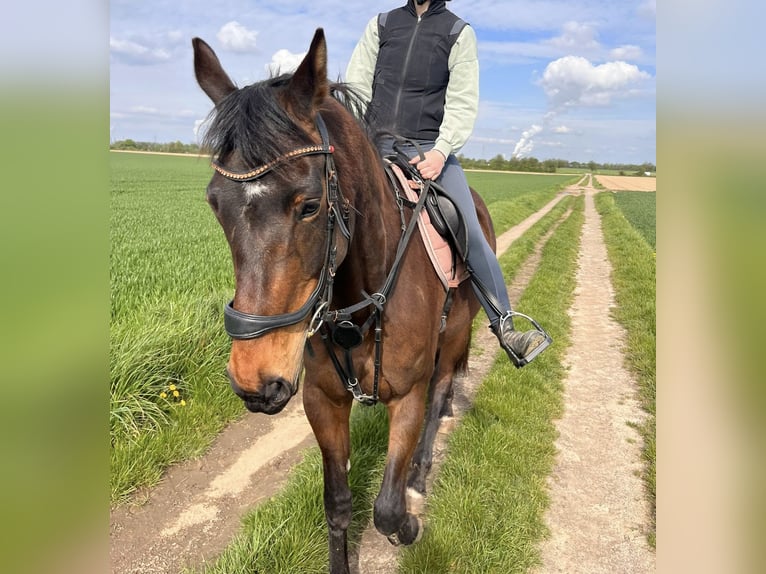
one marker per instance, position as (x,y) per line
(240,325)
(335,326)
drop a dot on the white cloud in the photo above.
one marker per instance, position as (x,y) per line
(576,38)
(148,110)
(626,52)
(284,62)
(236,38)
(562,130)
(573,80)
(135,53)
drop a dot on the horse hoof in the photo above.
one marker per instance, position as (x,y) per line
(410,532)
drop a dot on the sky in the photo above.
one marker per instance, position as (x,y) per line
(568,79)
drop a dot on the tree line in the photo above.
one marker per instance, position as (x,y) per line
(171,147)
(553,165)
(496,163)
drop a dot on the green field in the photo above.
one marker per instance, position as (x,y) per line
(171,274)
(640,209)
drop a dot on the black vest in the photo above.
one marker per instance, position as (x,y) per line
(412,70)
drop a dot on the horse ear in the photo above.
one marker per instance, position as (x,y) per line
(309,87)
(210,75)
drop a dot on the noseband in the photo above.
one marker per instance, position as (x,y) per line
(241,325)
(337,328)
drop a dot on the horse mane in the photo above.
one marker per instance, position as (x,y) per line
(253,122)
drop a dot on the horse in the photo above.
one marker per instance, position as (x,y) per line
(327,283)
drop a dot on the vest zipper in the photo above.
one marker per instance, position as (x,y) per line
(404,71)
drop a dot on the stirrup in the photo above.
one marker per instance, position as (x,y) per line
(517,361)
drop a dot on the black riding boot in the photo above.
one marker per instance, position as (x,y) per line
(521,346)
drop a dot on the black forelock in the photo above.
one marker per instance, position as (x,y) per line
(252,121)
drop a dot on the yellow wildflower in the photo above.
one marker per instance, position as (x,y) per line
(163,395)
(172,387)
(183,403)
(176,394)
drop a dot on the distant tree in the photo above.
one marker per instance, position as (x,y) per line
(550,165)
(497,162)
(592,165)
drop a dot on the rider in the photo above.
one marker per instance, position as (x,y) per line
(417,69)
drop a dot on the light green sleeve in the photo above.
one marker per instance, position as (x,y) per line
(462,98)
(361,66)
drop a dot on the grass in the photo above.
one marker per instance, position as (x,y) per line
(640,209)
(513,197)
(170,276)
(288,532)
(486,509)
(170,271)
(634,280)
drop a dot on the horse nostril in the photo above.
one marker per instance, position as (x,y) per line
(274,390)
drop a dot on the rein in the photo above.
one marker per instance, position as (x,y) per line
(335,326)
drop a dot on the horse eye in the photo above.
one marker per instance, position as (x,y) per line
(309,208)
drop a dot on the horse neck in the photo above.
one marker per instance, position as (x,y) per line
(377,220)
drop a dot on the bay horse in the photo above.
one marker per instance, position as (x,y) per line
(326,281)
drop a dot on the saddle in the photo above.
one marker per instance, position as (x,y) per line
(441,224)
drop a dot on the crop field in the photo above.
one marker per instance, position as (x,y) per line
(584,170)
(627,183)
(170,271)
(170,275)
(640,209)
(511,197)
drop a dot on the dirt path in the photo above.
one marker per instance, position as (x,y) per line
(599,514)
(195,511)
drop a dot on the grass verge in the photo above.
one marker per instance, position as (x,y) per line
(485,513)
(634,280)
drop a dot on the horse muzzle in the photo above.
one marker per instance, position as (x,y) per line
(274,395)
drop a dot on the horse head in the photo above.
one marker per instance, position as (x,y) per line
(270,194)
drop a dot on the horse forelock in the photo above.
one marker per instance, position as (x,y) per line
(252,123)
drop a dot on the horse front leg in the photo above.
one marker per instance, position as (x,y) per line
(390,510)
(329,420)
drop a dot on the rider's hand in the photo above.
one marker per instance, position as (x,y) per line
(431,166)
